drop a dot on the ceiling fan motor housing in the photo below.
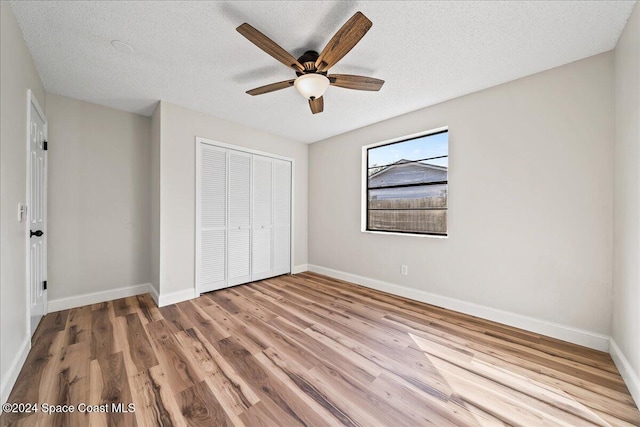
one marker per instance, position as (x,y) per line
(308,61)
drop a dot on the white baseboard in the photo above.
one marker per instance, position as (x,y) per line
(630,377)
(154,294)
(566,333)
(9,378)
(97,297)
(175,297)
(299,268)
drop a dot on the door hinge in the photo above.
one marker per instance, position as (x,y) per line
(44,285)
(45,145)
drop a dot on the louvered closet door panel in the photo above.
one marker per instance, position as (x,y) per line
(239,189)
(262,190)
(261,247)
(213,218)
(261,254)
(239,248)
(213,192)
(212,262)
(239,255)
(281,192)
(281,216)
(281,250)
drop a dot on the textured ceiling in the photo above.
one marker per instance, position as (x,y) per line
(189,53)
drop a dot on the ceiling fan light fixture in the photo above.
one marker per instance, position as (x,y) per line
(312,86)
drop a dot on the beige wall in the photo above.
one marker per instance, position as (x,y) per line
(530,214)
(180,126)
(99,202)
(17,74)
(626,292)
(154,220)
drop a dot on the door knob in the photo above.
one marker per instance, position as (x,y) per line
(36,233)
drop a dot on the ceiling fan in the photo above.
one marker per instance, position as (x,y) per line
(311,68)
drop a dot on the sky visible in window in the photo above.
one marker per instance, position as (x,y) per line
(415,149)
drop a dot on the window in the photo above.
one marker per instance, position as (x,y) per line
(407,185)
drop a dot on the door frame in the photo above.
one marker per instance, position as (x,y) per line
(31,100)
(200,140)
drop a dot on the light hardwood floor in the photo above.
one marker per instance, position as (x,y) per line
(310,350)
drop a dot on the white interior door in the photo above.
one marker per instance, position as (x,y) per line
(281,217)
(37,214)
(262,237)
(212,236)
(239,224)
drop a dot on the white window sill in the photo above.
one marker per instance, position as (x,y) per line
(433,236)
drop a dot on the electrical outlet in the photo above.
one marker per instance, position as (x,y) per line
(405,270)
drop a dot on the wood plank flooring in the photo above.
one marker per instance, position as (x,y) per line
(312,351)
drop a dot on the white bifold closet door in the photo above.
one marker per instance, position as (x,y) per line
(213,218)
(239,224)
(262,242)
(243,223)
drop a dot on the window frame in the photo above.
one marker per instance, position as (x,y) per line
(364,208)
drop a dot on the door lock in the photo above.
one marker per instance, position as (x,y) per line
(36,233)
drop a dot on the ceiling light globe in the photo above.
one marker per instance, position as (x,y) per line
(312,86)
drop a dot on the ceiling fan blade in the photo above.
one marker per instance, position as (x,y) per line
(317,105)
(343,41)
(269,46)
(271,88)
(349,81)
